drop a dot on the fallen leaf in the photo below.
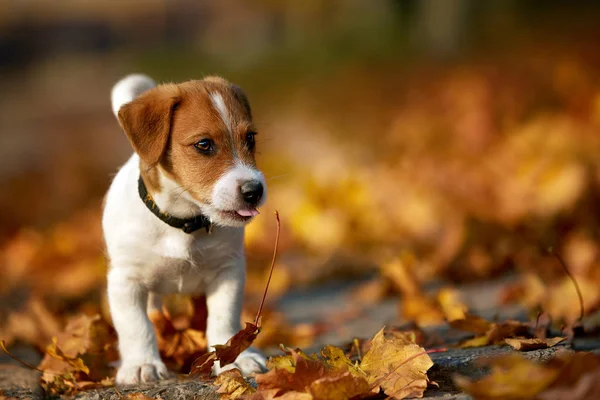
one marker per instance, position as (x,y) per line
(227,353)
(339,387)
(452,307)
(400,368)
(79,357)
(298,375)
(421,309)
(287,361)
(523,344)
(512,377)
(488,332)
(336,358)
(570,376)
(306,371)
(232,385)
(75,364)
(202,366)
(471,323)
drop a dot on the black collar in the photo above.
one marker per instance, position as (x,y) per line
(187,225)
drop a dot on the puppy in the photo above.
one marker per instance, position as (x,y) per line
(175,213)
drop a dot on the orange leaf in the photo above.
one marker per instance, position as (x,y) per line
(305,373)
(339,387)
(523,344)
(228,352)
(512,377)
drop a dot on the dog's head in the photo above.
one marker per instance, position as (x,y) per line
(200,135)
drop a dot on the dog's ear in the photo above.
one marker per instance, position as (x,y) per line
(147,121)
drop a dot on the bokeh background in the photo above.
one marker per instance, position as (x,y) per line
(406,144)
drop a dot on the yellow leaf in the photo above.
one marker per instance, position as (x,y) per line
(281,362)
(399,368)
(451,306)
(232,385)
(512,377)
(335,357)
(75,363)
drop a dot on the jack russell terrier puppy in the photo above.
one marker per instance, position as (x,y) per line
(175,213)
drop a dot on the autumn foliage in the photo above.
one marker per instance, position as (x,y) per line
(416,179)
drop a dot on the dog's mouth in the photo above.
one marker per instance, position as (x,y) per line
(239,215)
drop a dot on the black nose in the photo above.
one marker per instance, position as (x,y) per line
(252,191)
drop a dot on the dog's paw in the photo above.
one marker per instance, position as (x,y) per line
(249,362)
(134,373)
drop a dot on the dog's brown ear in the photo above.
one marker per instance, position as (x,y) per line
(147,121)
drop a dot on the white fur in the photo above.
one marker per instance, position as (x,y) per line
(128,89)
(149,258)
(219,104)
(225,192)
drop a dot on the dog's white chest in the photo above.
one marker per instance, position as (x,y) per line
(184,263)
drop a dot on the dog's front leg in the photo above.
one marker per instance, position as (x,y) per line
(140,360)
(224,296)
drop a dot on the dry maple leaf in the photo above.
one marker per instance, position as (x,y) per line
(306,371)
(523,344)
(227,353)
(304,377)
(232,385)
(287,361)
(78,357)
(202,366)
(74,363)
(399,367)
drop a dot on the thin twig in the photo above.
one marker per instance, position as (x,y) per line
(262,302)
(537,320)
(3,346)
(577,289)
(357,345)
(119,393)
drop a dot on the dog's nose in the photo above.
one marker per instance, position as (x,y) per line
(252,191)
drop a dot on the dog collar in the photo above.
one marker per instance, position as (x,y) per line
(188,225)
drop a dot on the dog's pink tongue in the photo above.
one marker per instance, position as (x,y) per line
(248,213)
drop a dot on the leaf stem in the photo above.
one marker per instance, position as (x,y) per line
(572,278)
(3,346)
(262,302)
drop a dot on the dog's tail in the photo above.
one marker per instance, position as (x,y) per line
(128,89)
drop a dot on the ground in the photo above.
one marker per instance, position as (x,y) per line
(309,305)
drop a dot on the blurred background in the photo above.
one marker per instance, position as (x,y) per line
(407,145)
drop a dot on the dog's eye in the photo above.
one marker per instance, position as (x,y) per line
(250,140)
(204,146)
